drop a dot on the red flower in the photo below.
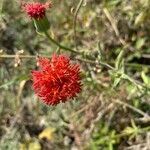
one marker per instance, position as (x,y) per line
(58,80)
(36,10)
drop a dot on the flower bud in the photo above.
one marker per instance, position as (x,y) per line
(37,12)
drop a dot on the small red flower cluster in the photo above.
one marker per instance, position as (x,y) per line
(36,10)
(58,80)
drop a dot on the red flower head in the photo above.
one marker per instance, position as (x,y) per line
(58,80)
(36,10)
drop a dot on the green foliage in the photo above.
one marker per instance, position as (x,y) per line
(104,138)
(111,44)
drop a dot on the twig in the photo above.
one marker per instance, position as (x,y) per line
(20,56)
(79,59)
(139,85)
(133,108)
(143,119)
(146,56)
(20,90)
(114,26)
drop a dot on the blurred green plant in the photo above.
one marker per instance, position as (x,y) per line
(110,39)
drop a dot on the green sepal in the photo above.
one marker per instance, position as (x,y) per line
(41,25)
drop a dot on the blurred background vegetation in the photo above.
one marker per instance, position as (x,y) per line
(110,113)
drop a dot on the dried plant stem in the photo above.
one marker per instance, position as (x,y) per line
(75,20)
(20,56)
(114,26)
(82,60)
(139,85)
(133,108)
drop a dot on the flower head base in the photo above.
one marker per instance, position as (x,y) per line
(58,80)
(36,10)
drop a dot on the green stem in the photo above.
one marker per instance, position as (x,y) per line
(95,63)
(59,45)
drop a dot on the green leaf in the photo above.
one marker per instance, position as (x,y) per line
(93,146)
(110,146)
(119,61)
(128,130)
(140,18)
(140,42)
(134,125)
(23,77)
(145,78)
(116,82)
(41,25)
(109,3)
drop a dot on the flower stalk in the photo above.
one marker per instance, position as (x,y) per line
(59,45)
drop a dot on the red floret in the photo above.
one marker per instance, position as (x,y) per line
(58,80)
(36,10)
